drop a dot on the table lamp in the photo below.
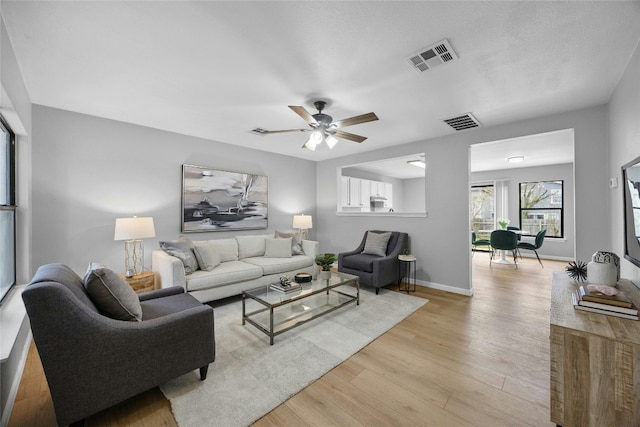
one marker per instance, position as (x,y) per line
(303,223)
(132,230)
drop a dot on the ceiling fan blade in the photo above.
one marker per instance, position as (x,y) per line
(261,131)
(363,118)
(350,136)
(302,112)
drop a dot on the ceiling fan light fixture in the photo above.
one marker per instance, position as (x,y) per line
(418,163)
(315,139)
(331,141)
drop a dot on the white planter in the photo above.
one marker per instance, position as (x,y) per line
(324,275)
(602,273)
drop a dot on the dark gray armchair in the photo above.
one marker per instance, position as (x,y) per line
(93,362)
(373,270)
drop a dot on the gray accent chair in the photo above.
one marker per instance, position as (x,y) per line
(375,270)
(93,362)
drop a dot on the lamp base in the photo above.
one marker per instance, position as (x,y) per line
(133,257)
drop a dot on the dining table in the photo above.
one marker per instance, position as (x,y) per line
(503,254)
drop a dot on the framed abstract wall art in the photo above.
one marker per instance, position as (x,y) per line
(215,200)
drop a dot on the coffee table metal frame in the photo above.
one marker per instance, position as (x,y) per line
(272,300)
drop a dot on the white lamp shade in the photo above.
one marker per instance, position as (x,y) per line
(302,222)
(134,228)
(331,141)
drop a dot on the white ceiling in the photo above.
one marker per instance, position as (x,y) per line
(396,167)
(549,148)
(217,69)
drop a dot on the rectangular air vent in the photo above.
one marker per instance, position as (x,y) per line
(465,121)
(432,56)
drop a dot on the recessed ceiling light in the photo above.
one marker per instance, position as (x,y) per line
(418,163)
(515,159)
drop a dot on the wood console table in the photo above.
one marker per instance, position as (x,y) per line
(595,362)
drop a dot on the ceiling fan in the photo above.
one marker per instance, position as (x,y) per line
(322,126)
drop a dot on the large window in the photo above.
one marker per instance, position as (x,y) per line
(542,206)
(7,209)
(483,207)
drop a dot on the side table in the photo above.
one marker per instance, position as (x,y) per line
(143,282)
(407,265)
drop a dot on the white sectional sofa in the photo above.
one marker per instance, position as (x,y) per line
(240,263)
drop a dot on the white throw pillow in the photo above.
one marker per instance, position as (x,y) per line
(226,248)
(376,243)
(278,248)
(207,257)
(296,240)
(250,246)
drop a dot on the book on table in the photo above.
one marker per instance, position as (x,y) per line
(620,299)
(609,310)
(285,287)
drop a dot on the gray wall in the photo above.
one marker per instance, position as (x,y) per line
(441,240)
(624,140)
(413,192)
(552,248)
(88,171)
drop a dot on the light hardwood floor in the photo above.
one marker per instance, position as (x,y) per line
(457,361)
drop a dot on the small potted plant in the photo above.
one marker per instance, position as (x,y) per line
(325,261)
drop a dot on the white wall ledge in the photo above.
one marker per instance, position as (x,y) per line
(387,214)
(12,315)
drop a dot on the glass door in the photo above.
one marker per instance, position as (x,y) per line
(483,209)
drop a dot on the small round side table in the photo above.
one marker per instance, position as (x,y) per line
(407,265)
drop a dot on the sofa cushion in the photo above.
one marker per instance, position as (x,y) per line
(207,257)
(250,246)
(111,294)
(376,243)
(225,274)
(183,250)
(226,248)
(278,248)
(280,265)
(296,240)
(360,262)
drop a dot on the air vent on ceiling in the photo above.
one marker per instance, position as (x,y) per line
(465,121)
(432,56)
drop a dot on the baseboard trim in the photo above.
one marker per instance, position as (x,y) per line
(543,257)
(446,288)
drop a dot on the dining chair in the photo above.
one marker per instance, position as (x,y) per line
(514,228)
(478,242)
(534,246)
(504,240)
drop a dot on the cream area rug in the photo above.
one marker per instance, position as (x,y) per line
(250,377)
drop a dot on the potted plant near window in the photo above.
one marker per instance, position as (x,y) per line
(325,261)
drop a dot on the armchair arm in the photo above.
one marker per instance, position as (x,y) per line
(385,269)
(310,248)
(159,293)
(169,269)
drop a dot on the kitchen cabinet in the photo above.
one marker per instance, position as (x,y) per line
(357,192)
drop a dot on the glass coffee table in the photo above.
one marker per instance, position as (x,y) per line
(275,312)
